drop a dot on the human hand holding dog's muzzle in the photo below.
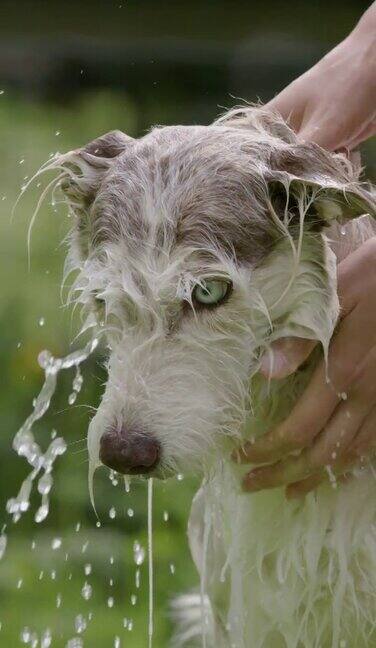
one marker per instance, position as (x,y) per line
(333,424)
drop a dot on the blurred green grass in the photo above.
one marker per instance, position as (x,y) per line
(34,580)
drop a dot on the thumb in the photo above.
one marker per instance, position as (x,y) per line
(285,356)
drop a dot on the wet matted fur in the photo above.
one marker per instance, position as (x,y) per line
(244,202)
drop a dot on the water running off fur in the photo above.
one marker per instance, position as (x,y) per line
(150,561)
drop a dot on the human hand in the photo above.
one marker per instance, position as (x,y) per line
(333,425)
(334,103)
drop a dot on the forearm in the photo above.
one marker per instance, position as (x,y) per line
(363,38)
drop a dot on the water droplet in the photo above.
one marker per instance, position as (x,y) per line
(172,568)
(72,398)
(19,583)
(133,599)
(130,512)
(85,546)
(80,623)
(86,591)
(25,635)
(98,524)
(3,545)
(46,639)
(87,569)
(117,642)
(110,602)
(138,553)
(331,475)
(165,516)
(343,396)
(58,600)
(112,513)
(180,477)
(78,380)
(76,642)
(45,484)
(41,321)
(41,513)
(113,478)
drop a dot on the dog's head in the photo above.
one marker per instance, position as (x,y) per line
(197,246)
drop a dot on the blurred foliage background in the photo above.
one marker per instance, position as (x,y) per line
(69,72)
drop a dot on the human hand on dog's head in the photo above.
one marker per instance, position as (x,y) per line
(333,424)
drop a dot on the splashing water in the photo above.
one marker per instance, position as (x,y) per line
(3,544)
(24,442)
(138,553)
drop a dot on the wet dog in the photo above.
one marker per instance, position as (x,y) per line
(196,247)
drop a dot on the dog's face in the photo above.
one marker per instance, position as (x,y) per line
(196,246)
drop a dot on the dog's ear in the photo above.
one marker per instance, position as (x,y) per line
(84,168)
(325,185)
(300,174)
(82,171)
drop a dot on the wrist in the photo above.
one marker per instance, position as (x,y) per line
(366,27)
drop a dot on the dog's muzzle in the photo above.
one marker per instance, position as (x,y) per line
(129,451)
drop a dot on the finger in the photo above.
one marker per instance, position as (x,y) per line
(285,356)
(302,488)
(305,421)
(352,272)
(332,444)
(288,471)
(365,441)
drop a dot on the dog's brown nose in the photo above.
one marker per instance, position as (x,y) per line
(129,451)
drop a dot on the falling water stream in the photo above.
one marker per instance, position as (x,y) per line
(150,558)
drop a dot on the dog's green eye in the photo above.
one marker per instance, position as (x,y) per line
(211,292)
